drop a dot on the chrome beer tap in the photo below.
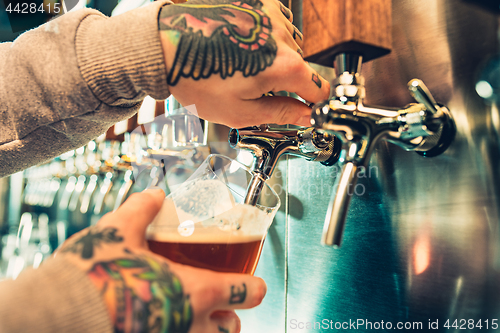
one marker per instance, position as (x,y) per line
(268,145)
(424,127)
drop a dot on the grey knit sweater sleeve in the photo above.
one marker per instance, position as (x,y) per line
(57,297)
(61,85)
(69,80)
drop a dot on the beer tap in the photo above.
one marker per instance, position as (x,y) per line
(268,145)
(425,127)
(344,129)
(363,32)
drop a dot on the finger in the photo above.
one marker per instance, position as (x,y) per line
(285,11)
(293,45)
(228,291)
(288,38)
(225,322)
(281,110)
(137,213)
(295,34)
(298,37)
(301,79)
(293,31)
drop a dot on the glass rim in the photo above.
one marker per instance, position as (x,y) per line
(250,172)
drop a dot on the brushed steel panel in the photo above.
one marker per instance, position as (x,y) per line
(422,242)
(359,279)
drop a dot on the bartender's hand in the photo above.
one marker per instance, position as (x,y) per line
(223,55)
(144,292)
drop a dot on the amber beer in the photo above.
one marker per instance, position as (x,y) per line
(234,256)
(230,241)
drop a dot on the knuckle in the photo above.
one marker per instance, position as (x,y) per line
(298,67)
(211,293)
(280,32)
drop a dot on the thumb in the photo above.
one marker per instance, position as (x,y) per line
(282,110)
(137,212)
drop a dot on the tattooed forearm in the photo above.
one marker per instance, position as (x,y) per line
(147,289)
(238,295)
(85,244)
(218,37)
(316,80)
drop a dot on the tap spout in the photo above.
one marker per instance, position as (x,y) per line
(255,188)
(339,205)
(268,145)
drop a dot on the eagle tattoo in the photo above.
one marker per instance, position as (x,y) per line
(218,37)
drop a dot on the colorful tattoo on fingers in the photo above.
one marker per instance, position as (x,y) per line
(299,51)
(317,80)
(143,295)
(286,11)
(297,34)
(238,295)
(218,37)
(94,237)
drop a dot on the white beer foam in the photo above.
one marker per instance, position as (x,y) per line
(204,238)
(240,224)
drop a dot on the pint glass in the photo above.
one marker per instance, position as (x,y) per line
(205,223)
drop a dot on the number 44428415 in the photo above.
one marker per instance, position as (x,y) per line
(464,324)
(32,8)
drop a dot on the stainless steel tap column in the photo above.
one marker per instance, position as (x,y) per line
(345,34)
(426,128)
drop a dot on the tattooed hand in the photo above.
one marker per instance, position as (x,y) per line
(144,292)
(224,55)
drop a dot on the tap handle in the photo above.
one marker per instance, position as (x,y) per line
(361,26)
(441,123)
(421,93)
(339,205)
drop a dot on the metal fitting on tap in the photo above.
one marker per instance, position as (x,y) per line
(268,145)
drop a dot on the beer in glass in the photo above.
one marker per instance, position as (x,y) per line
(204,222)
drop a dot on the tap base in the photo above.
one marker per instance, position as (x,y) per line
(448,134)
(327,57)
